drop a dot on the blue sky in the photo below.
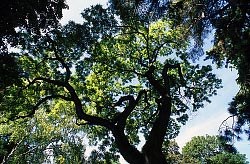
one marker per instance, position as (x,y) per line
(206,120)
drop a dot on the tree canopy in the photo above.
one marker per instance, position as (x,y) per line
(125,71)
(210,149)
(122,79)
(228,21)
(32,16)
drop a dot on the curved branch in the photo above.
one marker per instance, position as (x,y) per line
(155,83)
(224,121)
(93,120)
(58,58)
(124,98)
(120,120)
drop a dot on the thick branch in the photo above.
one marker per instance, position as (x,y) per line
(159,129)
(155,83)
(120,120)
(165,76)
(93,120)
(128,151)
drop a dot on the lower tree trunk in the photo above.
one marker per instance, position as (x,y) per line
(152,149)
(149,154)
(153,156)
(129,152)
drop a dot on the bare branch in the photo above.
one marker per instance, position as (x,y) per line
(224,122)
(132,102)
(58,58)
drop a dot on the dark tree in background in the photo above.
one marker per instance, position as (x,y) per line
(33,16)
(230,21)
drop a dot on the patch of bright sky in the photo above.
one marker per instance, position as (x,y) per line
(206,120)
(76,7)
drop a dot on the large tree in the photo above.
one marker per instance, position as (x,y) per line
(228,21)
(123,79)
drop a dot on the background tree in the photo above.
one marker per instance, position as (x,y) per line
(172,152)
(210,149)
(228,158)
(50,136)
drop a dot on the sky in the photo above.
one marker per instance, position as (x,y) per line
(206,120)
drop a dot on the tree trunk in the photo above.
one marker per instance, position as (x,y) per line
(153,147)
(129,152)
(152,150)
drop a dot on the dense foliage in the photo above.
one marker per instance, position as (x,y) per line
(49,136)
(228,21)
(32,16)
(210,149)
(122,79)
(125,75)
